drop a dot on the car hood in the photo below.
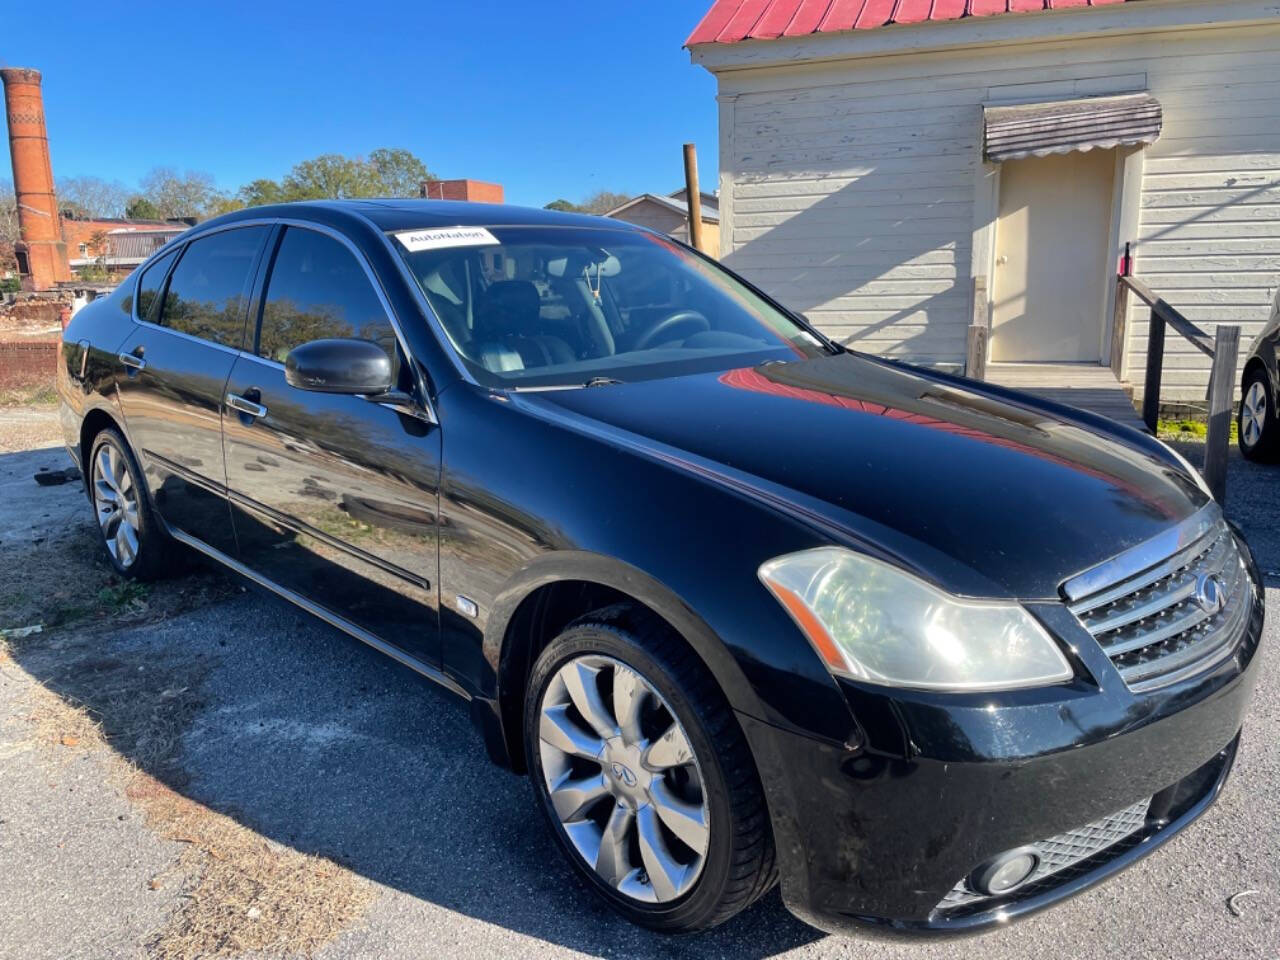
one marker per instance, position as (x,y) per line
(985,491)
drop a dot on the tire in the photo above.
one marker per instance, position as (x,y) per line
(736,865)
(135,543)
(1258,424)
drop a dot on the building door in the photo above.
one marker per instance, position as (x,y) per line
(1051,272)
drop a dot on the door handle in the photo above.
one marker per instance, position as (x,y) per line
(133,361)
(247,407)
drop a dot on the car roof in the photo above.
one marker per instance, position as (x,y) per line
(411,214)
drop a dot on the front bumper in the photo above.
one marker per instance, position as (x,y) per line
(872,834)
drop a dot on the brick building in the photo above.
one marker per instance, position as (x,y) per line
(118,244)
(477,191)
(52,243)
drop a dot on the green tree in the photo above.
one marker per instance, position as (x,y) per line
(563,205)
(330,176)
(221,203)
(140,208)
(397,172)
(260,192)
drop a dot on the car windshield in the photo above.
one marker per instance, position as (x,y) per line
(566,306)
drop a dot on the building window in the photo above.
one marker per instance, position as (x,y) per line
(84,249)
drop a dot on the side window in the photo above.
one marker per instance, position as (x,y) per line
(149,287)
(317,290)
(207,291)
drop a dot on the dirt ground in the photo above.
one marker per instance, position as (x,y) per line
(236,892)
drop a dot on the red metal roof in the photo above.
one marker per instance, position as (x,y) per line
(729,21)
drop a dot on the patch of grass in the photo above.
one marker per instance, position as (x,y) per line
(124,595)
(1193,430)
(32,395)
(1188,428)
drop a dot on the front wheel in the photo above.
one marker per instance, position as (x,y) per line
(1259,427)
(644,774)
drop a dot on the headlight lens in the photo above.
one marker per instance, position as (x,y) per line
(872,622)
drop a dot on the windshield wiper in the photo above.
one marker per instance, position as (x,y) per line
(593,382)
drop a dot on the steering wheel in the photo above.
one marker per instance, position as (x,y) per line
(692,319)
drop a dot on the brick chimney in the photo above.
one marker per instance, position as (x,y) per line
(42,255)
(477,191)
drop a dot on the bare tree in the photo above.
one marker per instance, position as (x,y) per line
(92,197)
(8,225)
(604,201)
(174,194)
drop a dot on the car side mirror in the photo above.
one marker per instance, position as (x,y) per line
(339,366)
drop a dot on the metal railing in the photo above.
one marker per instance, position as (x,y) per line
(1222,348)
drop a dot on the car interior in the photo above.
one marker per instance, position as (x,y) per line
(542,307)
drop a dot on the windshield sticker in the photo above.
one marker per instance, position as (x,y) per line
(440,237)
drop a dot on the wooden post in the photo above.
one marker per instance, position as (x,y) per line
(1222,389)
(693,195)
(1118,317)
(1120,312)
(975,361)
(1155,367)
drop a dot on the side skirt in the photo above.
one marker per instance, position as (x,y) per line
(346,626)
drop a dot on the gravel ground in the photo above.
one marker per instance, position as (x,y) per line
(29,427)
(322,746)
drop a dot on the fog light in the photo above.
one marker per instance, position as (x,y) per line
(1006,872)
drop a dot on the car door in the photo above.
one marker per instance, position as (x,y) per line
(334,496)
(191,310)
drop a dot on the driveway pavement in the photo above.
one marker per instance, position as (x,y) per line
(310,743)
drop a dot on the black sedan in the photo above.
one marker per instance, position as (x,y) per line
(747,607)
(1258,422)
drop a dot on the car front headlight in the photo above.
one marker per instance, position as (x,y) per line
(872,622)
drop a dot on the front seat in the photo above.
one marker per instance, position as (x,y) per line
(507,322)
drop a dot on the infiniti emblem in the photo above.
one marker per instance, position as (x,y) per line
(624,775)
(1209,593)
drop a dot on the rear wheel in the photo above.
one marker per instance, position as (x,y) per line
(1259,427)
(135,543)
(644,774)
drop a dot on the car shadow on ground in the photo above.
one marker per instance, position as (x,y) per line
(317,742)
(258,711)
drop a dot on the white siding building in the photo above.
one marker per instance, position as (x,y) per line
(862,178)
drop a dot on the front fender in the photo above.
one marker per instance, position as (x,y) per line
(618,575)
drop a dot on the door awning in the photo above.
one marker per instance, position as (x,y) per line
(1064,126)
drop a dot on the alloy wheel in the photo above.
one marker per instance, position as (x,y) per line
(115,500)
(1253,414)
(623,779)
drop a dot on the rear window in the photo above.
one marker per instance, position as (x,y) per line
(149,287)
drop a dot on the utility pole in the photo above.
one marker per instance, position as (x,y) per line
(692,195)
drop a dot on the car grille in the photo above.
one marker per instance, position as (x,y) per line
(1159,626)
(1065,850)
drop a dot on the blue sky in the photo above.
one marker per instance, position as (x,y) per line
(551,99)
